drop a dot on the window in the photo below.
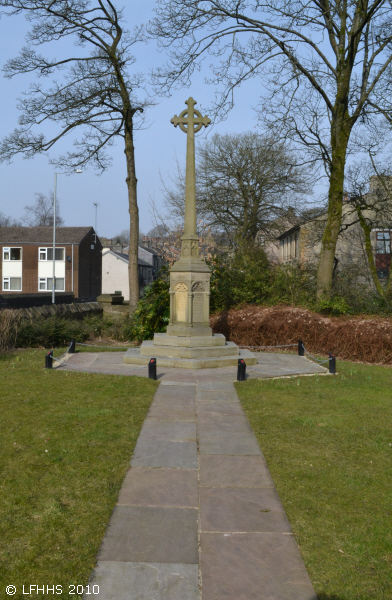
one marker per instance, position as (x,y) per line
(12,253)
(383,242)
(382,273)
(12,284)
(383,254)
(47,254)
(45,284)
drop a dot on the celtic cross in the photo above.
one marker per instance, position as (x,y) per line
(190,121)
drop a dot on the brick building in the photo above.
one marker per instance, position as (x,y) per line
(26,264)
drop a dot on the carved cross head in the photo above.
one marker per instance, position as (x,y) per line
(190,119)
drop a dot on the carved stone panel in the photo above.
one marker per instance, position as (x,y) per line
(181,301)
(198,308)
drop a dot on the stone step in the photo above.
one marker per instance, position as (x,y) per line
(133,356)
(148,348)
(162,339)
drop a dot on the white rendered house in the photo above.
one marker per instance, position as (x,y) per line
(115,277)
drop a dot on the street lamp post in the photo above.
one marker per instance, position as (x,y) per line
(96,210)
(54,242)
(54,234)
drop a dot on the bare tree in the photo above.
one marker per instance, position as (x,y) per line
(94,93)
(324,67)
(122,237)
(245,183)
(40,214)
(6,221)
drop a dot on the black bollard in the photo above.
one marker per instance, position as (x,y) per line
(72,346)
(332,364)
(241,371)
(301,348)
(152,368)
(49,360)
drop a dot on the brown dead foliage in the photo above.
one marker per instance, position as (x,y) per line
(9,321)
(351,338)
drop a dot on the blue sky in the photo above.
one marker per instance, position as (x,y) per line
(156,147)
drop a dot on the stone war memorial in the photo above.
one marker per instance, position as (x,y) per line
(189,342)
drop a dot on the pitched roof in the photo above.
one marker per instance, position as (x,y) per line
(125,258)
(151,250)
(289,232)
(43,235)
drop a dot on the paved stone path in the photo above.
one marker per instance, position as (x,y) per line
(198,516)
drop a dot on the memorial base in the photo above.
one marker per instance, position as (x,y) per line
(135,357)
(189,342)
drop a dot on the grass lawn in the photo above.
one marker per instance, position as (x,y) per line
(66,439)
(328,444)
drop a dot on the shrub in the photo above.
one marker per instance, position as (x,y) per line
(291,284)
(51,331)
(153,310)
(9,320)
(241,277)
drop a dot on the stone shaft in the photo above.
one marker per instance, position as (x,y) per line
(190,176)
(190,276)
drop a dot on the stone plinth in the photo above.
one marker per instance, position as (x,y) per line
(133,356)
(113,305)
(110,299)
(189,294)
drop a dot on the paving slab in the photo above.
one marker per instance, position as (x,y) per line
(234,471)
(166,382)
(145,581)
(160,487)
(164,453)
(110,358)
(168,430)
(218,442)
(151,534)
(236,510)
(214,395)
(218,407)
(177,401)
(176,390)
(215,422)
(253,566)
(215,386)
(180,413)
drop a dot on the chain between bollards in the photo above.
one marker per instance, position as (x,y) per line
(331,360)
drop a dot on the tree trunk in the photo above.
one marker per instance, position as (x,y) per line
(340,134)
(369,254)
(134,220)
